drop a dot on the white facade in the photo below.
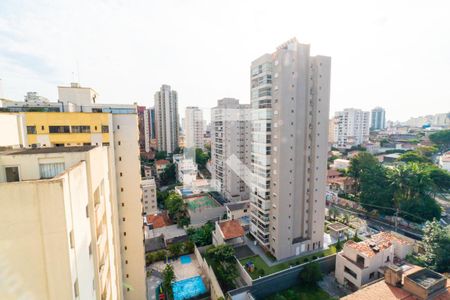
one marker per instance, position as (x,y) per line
(378,119)
(60,205)
(149,203)
(359,263)
(193,128)
(351,128)
(444,161)
(230,148)
(186,171)
(13,132)
(166,111)
(340,164)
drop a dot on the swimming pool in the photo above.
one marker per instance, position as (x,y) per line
(185,259)
(188,288)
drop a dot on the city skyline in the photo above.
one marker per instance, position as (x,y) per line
(395,71)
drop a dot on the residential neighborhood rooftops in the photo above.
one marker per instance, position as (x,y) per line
(158,220)
(162,162)
(376,243)
(237,205)
(231,229)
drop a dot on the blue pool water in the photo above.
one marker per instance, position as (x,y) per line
(188,288)
(185,259)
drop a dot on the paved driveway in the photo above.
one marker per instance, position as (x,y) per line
(152,283)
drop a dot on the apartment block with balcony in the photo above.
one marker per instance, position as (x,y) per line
(114,126)
(149,203)
(230,149)
(58,226)
(361,263)
(167,118)
(290,104)
(351,128)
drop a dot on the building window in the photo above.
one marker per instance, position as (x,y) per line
(31,129)
(126,262)
(76,289)
(105,144)
(105,128)
(50,170)
(71,239)
(124,234)
(81,129)
(350,272)
(42,127)
(121,189)
(120,158)
(12,174)
(118,126)
(123,219)
(118,143)
(59,129)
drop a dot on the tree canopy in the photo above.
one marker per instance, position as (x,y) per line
(409,187)
(201,236)
(224,263)
(168,275)
(441,138)
(436,241)
(177,209)
(168,176)
(311,274)
(413,156)
(201,158)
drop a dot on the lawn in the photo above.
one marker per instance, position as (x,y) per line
(301,293)
(262,269)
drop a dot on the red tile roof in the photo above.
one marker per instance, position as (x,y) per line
(160,220)
(162,162)
(231,229)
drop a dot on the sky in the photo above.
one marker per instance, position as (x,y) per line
(394,54)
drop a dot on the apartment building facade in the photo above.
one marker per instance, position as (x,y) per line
(193,128)
(144,130)
(85,122)
(359,263)
(59,224)
(167,119)
(378,119)
(148,187)
(230,148)
(351,128)
(289,149)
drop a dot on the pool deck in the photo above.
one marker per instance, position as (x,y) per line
(182,271)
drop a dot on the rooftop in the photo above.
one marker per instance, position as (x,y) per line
(159,220)
(377,243)
(337,226)
(333,173)
(162,162)
(231,229)
(426,278)
(237,205)
(381,290)
(28,151)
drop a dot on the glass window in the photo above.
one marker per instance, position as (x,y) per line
(31,129)
(105,128)
(12,174)
(59,129)
(50,170)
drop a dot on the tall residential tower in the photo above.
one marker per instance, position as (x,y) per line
(193,127)
(167,127)
(290,101)
(378,119)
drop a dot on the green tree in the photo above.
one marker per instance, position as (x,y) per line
(177,209)
(201,236)
(169,176)
(413,156)
(440,179)
(427,151)
(441,139)
(175,249)
(201,158)
(224,263)
(311,274)
(161,197)
(160,155)
(168,276)
(360,164)
(436,242)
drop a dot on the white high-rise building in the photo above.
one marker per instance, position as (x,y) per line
(193,128)
(230,148)
(290,101)
(167,119)
(378,119)
(351,128)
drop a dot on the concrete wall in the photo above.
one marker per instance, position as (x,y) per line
(12,130)
(274,283)
(45,236)
(213,283)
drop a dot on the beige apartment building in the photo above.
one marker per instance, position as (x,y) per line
(167,118)
(230,148)
(148,187)
(193,128)
(57,222)
(290,101)
(361,263)
(81,121)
